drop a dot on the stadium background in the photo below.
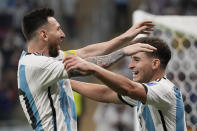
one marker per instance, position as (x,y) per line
(90,21)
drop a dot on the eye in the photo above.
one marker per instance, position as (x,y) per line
(58,28)
(136,59)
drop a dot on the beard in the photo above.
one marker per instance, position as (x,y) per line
(53,50)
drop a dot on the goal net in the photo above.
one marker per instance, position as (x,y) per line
(180,32)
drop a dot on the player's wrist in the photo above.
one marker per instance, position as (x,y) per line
(93,68)
(125,51)
(128,35)
(122,38)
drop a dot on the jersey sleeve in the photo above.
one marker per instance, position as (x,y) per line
(127,100)
(158,94)
(49,71)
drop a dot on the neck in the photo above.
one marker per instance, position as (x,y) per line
(158,74)
(36,46)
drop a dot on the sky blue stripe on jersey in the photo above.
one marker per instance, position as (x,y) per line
(22,54)
(72,103)
(64,98)
(138,105)
(151,84)
(148,119)
(179,110)
(24,87)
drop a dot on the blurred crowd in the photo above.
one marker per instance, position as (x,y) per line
(116,20)
(12,42)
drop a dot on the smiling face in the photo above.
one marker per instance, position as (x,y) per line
(141,66)
(147,67)
(55,36)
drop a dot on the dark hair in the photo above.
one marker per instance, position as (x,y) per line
(163,51)
(35,19)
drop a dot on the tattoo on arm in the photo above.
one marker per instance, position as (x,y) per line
(103,61)
(75,73)
(107,60)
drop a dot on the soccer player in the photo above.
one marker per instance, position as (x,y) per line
(43,83)
(159,102)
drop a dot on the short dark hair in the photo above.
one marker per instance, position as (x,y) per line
(163,51)
(35,19)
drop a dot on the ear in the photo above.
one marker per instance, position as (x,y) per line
(155,64)
(43,34)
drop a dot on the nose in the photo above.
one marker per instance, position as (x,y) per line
(62,34)
(131,65)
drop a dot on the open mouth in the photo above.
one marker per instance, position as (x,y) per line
(135,73)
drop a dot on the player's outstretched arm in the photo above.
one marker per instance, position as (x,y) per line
(103,61)
(106,60)
(96,92)
(107,47)
(138,47)
(116,82)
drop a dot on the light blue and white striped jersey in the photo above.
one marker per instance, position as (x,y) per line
(164,108)
(45,93)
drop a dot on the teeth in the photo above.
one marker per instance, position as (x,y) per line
(135,73)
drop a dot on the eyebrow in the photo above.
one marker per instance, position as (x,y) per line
(135,57)
(58,26)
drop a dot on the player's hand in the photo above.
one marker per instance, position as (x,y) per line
(76,63)
(138,47)
(144,27)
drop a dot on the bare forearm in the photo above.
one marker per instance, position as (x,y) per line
(109,46)
(115,81)
(102,48)
(95,91)
(120,84)
(103,61)
(107,60)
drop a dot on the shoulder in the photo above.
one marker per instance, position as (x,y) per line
(38,61)
(61,56)
(163,85)
(160,92)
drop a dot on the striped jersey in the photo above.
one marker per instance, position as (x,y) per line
(45,93)
(164,108)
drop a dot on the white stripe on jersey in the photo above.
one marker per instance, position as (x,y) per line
(45,93)
(164,109)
